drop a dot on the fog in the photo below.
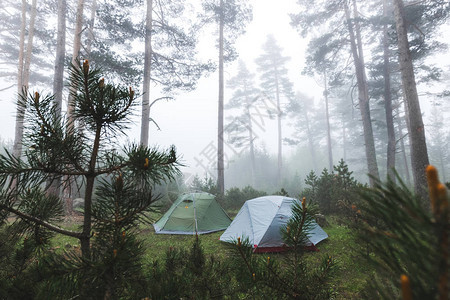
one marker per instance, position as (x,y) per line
(189,121)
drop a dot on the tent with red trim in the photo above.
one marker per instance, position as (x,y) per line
(260,221)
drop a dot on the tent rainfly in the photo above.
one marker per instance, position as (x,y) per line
(260,221)
(191,213)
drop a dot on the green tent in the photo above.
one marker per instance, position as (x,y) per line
(193,212)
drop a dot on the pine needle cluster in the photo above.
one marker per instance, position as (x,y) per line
(409,242)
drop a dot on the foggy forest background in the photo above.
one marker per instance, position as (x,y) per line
(275,129)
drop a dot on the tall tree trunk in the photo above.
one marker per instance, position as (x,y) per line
(310,141)
(280,137)
(70,184)
(17,148)
(90,35)
(403,151)
(344,141)
(327,115)
(27,64)
(419,153)
(442,164)
(75,57)
(388,99)
(252,146)
(24,74)
(58,77)
(220,142)
(145,119)
(363,95)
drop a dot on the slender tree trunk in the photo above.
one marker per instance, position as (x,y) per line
(58,77)
(403,151)
(28,55)
(220,142)
(75,57)
(70,182)
(327,114)
(442,165)
(363,96)
(252,146)
(419,153)
(408,134)
(344,141)
(24,71)
(145,119)
(310,141)
(87,221)
(17,148)
(280,137)
(90,35)
(388,99)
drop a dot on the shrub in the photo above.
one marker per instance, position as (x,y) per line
(235,197)
(334,192)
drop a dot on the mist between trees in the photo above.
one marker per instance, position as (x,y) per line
(362,104)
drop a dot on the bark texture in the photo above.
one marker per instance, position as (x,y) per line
(419,153)
(388,99)
(363,94)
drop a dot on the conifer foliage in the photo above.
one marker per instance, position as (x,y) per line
(118,191)
(410,243)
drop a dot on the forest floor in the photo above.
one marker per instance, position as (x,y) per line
(352,272)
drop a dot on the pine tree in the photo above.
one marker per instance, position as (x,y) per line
(242,128)
(275,83)
(118,188)
(231,16)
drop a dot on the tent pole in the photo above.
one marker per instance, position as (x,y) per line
(195,216)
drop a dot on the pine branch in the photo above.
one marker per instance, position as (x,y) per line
(41,222)
(8,87)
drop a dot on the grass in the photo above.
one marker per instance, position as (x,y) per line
(158,244)
(352,272)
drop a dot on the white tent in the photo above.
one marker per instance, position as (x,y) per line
(260,221)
